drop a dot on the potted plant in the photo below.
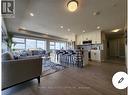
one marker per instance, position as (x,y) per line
(9,40)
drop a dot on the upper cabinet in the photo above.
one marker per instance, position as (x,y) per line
(95,36)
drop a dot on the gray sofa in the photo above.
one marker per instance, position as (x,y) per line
(18,71)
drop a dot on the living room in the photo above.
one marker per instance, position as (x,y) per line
(70,49)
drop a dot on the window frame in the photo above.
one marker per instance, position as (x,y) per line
(16,42)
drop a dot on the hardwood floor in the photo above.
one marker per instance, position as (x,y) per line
(95,79)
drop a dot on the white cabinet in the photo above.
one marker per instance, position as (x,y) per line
(96,55)
(95,36)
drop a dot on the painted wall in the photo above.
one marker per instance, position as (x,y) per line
(95,36)
(4,36)
(71,37)
(104,43)
(117,47)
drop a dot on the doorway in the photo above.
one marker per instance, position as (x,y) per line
(116,46)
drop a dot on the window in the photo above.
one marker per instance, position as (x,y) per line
(52,45)
(30,44)
(19,40)
(18,46)
(26,43)
(62,45)
(23,43)
(57,45)
(19,43)
(41,44)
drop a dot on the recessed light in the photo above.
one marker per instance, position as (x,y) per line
(115,30)
(31,14)
(96,13)
(61,26)
(83,31)
(69,30)
(98,27)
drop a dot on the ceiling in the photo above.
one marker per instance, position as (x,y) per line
(49,15)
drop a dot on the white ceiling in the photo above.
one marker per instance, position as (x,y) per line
(49,15)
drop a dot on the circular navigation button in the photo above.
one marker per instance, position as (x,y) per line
(120,80)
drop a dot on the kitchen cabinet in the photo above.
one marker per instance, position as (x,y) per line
(94,36)
(96,55)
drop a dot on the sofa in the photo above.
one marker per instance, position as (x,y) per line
(20,70)
(29,52)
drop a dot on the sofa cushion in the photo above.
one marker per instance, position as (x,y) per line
(7,56)
(29,57)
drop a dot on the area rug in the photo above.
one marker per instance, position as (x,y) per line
(50,68)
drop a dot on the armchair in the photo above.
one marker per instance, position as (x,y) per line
(21,70)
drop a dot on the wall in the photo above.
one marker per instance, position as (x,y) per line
(4,36)
(95,36)
(126,57)
(71,37)
(71,42)
(104,42)
(117,47)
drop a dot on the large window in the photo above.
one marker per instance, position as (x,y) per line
(26,43)
(18,46)
(41,44)
(19,43)
(19,40)
(30,44)
(52,45)
(57,45)
(63,45)
(23,43)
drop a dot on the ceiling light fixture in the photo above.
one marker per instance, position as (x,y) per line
(116,30)
(72,5)
(31,14)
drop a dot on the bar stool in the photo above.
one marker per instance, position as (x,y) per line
(57,52)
